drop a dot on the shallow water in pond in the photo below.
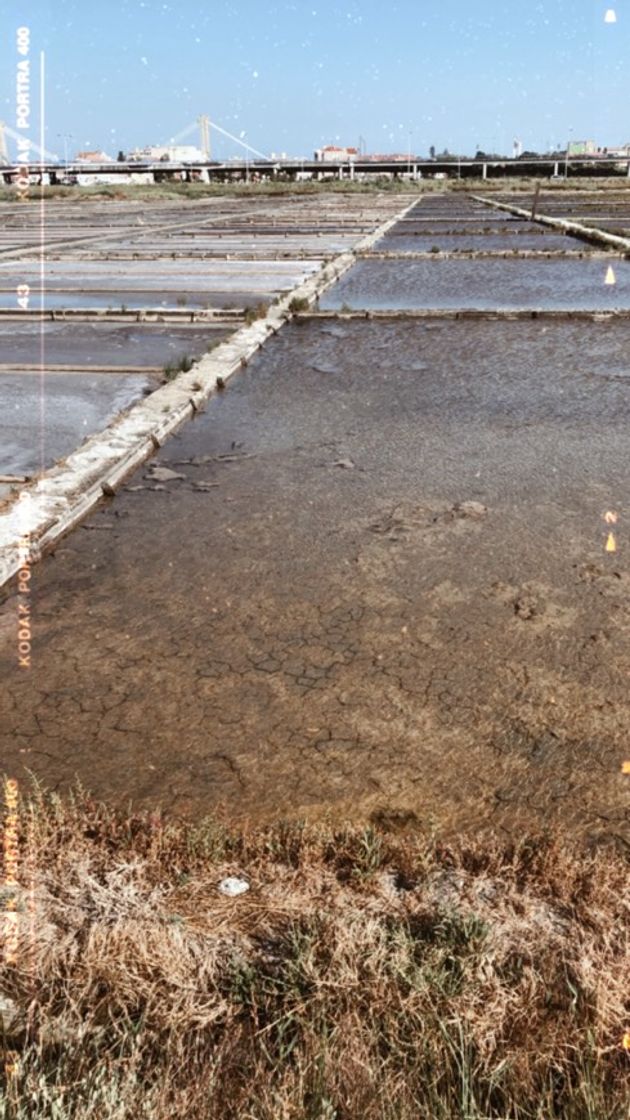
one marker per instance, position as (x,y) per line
(457,242)
(484,284)
(42,423)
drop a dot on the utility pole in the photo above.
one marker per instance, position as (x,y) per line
(65,136)
(535,202)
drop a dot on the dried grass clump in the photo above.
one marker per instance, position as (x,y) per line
(363,975)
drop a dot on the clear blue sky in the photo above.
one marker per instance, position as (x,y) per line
(294,75)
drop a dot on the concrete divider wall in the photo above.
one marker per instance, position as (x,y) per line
(586,233)
(35,518)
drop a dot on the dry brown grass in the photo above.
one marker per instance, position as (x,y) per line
(366,974)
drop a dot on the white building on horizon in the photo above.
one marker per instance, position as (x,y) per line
(168,153)
(332,154)
(93,157)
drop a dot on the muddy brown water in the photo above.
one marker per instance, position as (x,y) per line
(326,626)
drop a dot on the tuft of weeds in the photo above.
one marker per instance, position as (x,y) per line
(172,369)
(252,314)
(366,975)
(298,303)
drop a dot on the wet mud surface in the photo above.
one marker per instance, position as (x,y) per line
(377,581)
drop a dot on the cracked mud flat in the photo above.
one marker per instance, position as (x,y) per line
(376,583)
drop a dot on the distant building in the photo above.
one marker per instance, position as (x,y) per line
(168,153)
(582,148)
(332,154)
(389,157)
(93,157)
(590,148)
(622,150)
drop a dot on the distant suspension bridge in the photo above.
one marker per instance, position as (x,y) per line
(49,168)
(203,123)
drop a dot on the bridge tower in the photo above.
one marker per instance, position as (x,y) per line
(204,129)
(4,151)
